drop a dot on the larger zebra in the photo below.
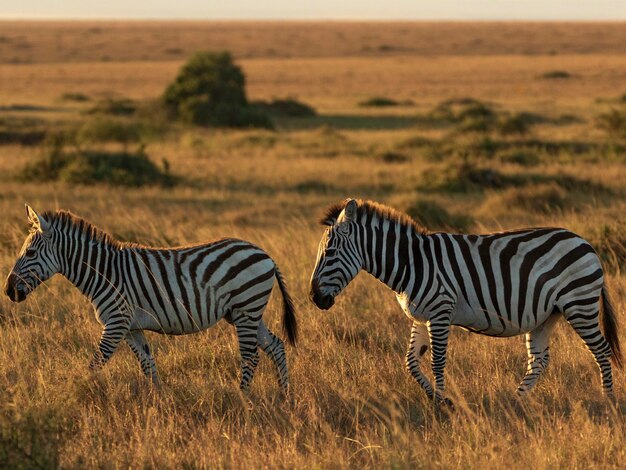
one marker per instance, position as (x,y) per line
(500,284)
(173,291)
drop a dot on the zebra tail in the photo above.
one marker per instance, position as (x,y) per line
(609,325)
(290,325)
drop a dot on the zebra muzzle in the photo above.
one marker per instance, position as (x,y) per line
(322,301)
(13,290)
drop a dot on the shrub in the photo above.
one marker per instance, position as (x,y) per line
(110,130)
(556,74)
(22,130)
(613,123)
(378,101)
(393,157)
(89,167)
(287,107)
(22,137)
(77,97)
(468,114)
(210,91)
(516,124)
(476,117)
(449,110)
(433,216)
(114,106)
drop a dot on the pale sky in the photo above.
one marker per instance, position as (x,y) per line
(318,9)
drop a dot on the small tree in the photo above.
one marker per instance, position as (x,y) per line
(210,91)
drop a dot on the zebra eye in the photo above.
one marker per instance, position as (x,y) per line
(330,252)
(30,253)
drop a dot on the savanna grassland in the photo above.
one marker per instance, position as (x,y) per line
(490,126)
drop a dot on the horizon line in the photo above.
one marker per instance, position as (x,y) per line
(316,19)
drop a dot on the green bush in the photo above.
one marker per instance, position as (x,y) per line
(103,129)
(434,217)
(210,91)
(89,167)
(379,101)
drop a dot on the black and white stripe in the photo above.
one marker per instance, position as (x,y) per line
(500,284)
(173,291)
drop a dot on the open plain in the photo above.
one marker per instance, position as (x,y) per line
(538,147)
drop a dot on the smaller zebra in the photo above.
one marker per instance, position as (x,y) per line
(172,291)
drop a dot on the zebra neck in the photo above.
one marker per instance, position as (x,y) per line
(89,265)
(390,253)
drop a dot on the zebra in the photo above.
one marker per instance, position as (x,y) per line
(499,284)
(173,291)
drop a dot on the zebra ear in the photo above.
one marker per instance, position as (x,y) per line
(39,223)
(350,210)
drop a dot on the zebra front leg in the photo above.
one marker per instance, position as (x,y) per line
(418,345)
(114,330)
(438,332)
(538,348)
(138,344)
(274,347)
(248,348)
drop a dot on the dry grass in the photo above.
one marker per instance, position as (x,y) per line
(80,41)
(353,404)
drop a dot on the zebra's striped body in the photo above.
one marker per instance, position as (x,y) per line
(501,284)
(172,291)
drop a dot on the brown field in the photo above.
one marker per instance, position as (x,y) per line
(352,402)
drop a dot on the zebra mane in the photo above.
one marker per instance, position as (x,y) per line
(63,219)
(378,210)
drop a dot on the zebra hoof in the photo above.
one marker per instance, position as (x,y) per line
(444,403)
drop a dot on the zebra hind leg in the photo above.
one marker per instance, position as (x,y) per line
(585,321)
(418,346)
(273,346)
(538,348)
(139,346)
(248,348)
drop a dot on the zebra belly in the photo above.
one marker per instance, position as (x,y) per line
(145,319)
(493,323)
